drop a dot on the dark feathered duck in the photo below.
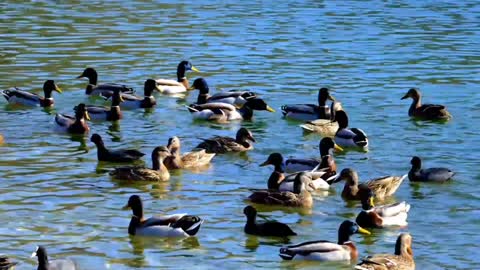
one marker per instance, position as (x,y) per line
(103,113)
(242,142)
(307,112)
(147,101)
(326,161)
(268,228)
(223,112)
(417,174)
(180,85)
(6,263)
(118,155)
(349,137)
(106,89)
(425,111)
(59,264)
(17,96)
(74,124)
(236,98)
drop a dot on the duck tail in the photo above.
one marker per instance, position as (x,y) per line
(6,94)
(306,127)
(191,108)
(286,254)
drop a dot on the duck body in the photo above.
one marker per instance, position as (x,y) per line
(105,90)
(324,127)
(382,216)
(326,147)
(425,111)
(221,144)
(308,112)
(349,137)
(188,160)
(158,173)
(181,85)
(135,102)
(235,98)
(322,250)
(6,263)
(118,155)
(223,112)
(75,125)
(434,175)
(45,264)
(269,228)
(101,113)
(18,96)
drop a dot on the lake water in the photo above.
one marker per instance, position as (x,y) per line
(54,193)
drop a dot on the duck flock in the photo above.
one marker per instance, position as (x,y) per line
(291,183)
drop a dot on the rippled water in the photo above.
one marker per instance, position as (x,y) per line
(370,52)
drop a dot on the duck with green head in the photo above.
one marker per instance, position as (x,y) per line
(381,216)
(236,98)
(349,137)
(102,113)
(21,97)
(74,124)
(147,101)
(308,112)
(223,112)
(326,161)
(106,89)
(181,85)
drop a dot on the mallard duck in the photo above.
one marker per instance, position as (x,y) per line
(382,187)
(324,127)
(269,228)
(188,160)
(221,144)
(326,147)
(402,259)
(343,250)
(425,111)
(177,225)
(281,182)
(148,101)
(119,155)
(107,114)
(417,174)
(6,263)
(181,85)
(45,264)
(306,112)
(381,216)
(236,98)
(223,112)
(300,197)
(158,172)
(77,124)
(349,137)
(106,89)
(17,96)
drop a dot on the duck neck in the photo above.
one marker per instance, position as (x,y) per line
(138,210)
(324,151)
(343,238)
(403,250)
(275,179)
(43,262)
(157,165)
(203,96)
(177,160)
(246,112)
(101,149)
(416,103)
(47,93)
(251,220)
(93,79)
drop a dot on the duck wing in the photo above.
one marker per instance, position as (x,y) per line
(64,120)
(385,186)
(17,93)
(219,144)
(273,197)
(433,111)
(378,262)
(136,174)
(392,210)
(125,154)
(168,82)
(323,249)
(436,174)
(300,108)
(189,224)
(275,228)
(197,158)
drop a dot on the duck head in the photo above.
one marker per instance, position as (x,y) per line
(183,67)
(41,253)
(416,163)
(244,134)
(413,93)
(81,112)
(258,104)
(135,203)
(342,119)
(201,85)
(302,183)
(324,95)
(327,145)
(91,74)
(275,159)
(347,229)
(149,86)
(174,144)
(49,86)
(403,246)
(349,175)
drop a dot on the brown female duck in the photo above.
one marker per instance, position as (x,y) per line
(402,259)
(158,172)
(118,155)
(425,111)
(188,160)
(325,127)
(17,96)
(221,144)
(381,216)
(77,124)
(6,263)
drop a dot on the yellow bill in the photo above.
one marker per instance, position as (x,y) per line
(125,207)
(270,109)
(121,98)
(338,148)
(195,69)
(87,116)
(191,88)
(362,230)
(370,201)
(58,89)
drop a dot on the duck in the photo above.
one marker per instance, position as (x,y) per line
(300,197)
(18,96)
(307,112)
(242,142)
(158,172)
(322,250)
(223,112)
(236,98)
(2,139)
(382,187)
(268,228)
(326,147)
(438,175)
(148,101)
(107,114)
(181,85)
(74,124)
(176,225)
(45,264)
(106,89)
(119,155)
(324,127)
(425,111)
(349,137)
(278,181)
(402,259)
(6,263)
(372,216)
(192,159)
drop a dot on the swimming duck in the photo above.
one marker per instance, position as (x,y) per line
(382,187)
(221,144)
(188,160)
(306,112)
(45,264)
(417,174)
(106,89)
(402,259)
(148,101)
(326,147)
(177,225)
(236,98)
(343,250)
(107,114)
(425,111)
(349,137)
(119,155)
(269,228)
(158,172)
(324,127)
(181,85)
(6,263)
(381,216)
(279,181)
(77,124)
(17,96)
(223,112)
(300,197)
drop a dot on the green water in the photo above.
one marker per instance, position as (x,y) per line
(54,193)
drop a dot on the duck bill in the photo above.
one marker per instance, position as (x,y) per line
(87,116)
(404,97)
(337,148)
(331,98)
(195,69)
(121,98)
(191,88)
(126,207)
(80,76)
(265,163)
(363,231)
(270,109)
(338,179)
(58,89)
(251,138)
(157,87)
(370,202)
